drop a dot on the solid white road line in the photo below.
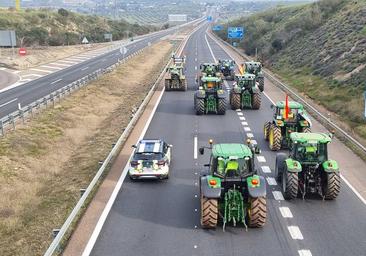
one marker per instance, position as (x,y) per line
(304,253)
(209,47)
(261,159)
(41,70)
(286,212)
(266,169)
(353,189)
(58,80)
(278,195)
(271,181)
(85,68)
(195,147)
(7,103)
(295,232)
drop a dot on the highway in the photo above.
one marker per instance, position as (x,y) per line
(162,217)
(36,89)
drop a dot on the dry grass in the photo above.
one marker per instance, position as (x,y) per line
(45,163)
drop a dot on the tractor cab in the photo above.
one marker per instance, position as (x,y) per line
(210,69)
(245,81)
(253,67)
(309,148)
(296,112)
(208,82)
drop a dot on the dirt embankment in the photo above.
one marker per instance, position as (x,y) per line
(45,163)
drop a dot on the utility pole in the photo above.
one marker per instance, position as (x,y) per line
(17,5)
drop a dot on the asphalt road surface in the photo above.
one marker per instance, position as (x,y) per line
(162,217)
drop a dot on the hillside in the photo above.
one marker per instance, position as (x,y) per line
(62,27)
(318,48)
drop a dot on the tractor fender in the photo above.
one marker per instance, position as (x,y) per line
(330,166)
(208,191)
(200,94)
(259,190)
(237,89)
(221,94)
(293,165)
(256,89)
(280,164)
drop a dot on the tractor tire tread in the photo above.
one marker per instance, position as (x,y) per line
(258,212)
(209,212)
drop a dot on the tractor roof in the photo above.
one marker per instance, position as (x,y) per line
(291,104)
(233,149)
(310,137)
(210,79)
(252,63)
(246,76)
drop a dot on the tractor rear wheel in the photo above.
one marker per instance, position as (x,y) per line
(221,106)
(256,101)
(257,212)
(235,101)
(275,138)
(184,85)
(266,127)
(261,84)
(290,184)
(306,129)
(209,212)
(331,185)
(199,106)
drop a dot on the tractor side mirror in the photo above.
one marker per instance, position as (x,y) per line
(257,150)
(170,145)
(272,106)
(201,150)
(206,165)
(134,146)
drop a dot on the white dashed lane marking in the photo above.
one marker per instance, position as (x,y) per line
(242,118)
(286,212)
(254,142)
(271,181)
(261,159)
(295,232)
(239,113)
(304,253)
(247,129)
(250,135)
(278,195)
(244,123)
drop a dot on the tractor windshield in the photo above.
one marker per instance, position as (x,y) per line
(292,115)
(231,167)
(310,152)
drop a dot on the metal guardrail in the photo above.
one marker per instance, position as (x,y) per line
(54,247)
(315,112)
(28,111)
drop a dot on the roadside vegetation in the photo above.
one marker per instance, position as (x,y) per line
(44,163)
(43,27)
(319,49)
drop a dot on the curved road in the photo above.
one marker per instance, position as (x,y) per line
(162,218)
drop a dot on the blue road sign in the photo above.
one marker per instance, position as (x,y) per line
(235,32)
(217,28)
(209,18)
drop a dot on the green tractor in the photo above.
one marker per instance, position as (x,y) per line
(278,131)
(245,93)
(307,169)
(209,70)
(227,68)
(231,190)
(255,68)
(210,96)
(175,79)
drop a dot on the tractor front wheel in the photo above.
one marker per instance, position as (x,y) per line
(256,100)
(184,85)
(209,212)
(257,212)
(290,184)
(275,138)
(221,106)
(235,101)
(199,106)
(261,84)
(331,185)
(266,127)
